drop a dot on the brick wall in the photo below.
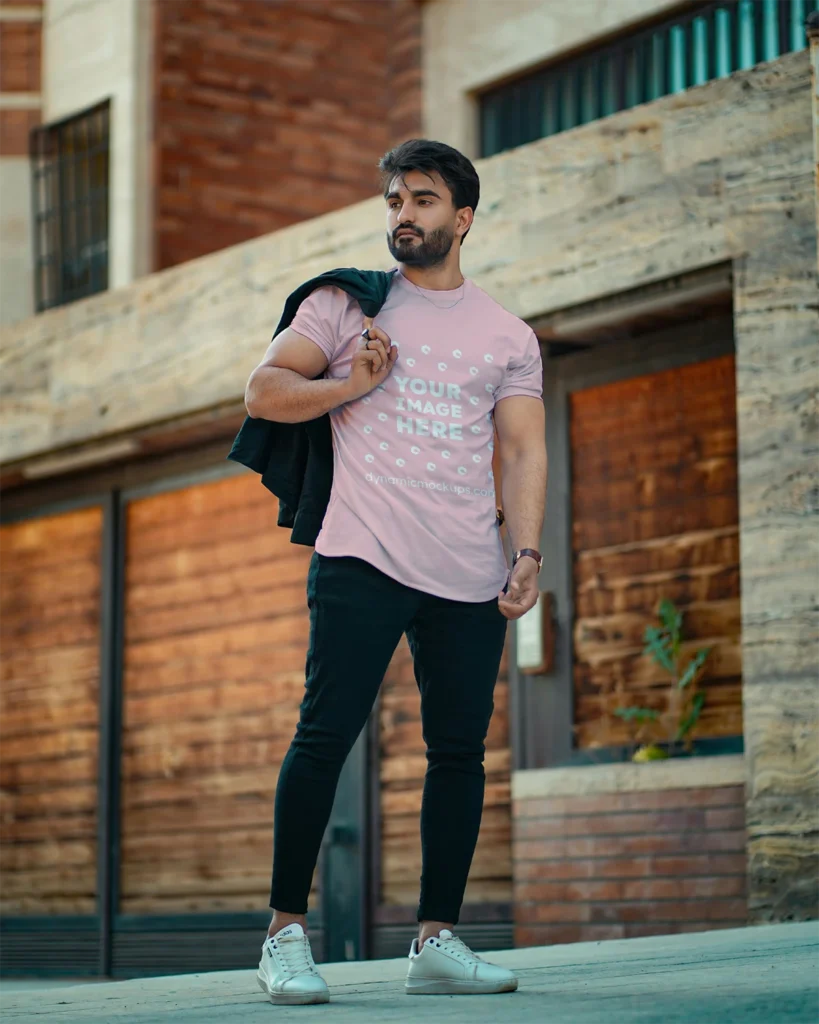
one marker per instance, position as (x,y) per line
(616,865)
(20,111)
(268,112)
(20,49)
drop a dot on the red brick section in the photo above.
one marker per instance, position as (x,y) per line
(622,864)
(19,56)
(405,87)
(269,112)
(15,127)
(20,47)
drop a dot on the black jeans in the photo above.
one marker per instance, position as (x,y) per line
(357,617)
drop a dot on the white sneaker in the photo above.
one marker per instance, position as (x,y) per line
(287,972)
(447,966)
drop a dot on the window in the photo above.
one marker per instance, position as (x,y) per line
(69,167)
(707,43)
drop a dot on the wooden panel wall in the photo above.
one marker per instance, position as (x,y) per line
(403,764)
(654,498)
(49,634)
(215,639)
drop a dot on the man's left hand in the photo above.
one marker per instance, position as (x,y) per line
(523,589)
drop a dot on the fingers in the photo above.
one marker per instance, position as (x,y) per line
(513,609)
(376,347)
(508,609)
(521,595)
(378,342)
(383,337)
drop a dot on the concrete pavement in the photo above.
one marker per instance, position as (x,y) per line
(765,975)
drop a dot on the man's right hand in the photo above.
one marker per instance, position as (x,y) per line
(371,363)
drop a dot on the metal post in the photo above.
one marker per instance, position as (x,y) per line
(345,862)
(812,27)
(110,725)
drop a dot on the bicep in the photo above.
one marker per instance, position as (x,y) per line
(293,351)
(520,422)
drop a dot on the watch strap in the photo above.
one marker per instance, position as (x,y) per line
(532,554)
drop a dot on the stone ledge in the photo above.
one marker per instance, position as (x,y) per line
(675,773)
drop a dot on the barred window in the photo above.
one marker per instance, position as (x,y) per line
(708,42)
(69,168)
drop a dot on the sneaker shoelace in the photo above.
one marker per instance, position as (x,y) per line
(295,955)
(459,948)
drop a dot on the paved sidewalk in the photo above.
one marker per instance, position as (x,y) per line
(767,975)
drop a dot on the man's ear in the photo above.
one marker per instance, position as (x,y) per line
(465,217)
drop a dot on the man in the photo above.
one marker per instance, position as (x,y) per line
(410,543)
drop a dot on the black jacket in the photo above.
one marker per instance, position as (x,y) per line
(296,459)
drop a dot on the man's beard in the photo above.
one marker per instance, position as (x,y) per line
(431,251)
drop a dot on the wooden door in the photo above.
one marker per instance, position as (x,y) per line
(49,735)
(216,632)
(654,515)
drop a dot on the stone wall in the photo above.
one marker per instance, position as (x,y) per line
(268,114)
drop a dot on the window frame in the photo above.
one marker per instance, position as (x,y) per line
(70,212)
(542,710)
(576,90)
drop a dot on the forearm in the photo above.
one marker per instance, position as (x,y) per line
(285,396)
(523,477)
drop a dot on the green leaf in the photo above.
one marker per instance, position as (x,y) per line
(670,617)
(658,645)
(637,714)
(693,667)
(690,720)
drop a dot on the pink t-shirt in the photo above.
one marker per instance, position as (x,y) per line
(413,489)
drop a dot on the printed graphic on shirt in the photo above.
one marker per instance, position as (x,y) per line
(432,409)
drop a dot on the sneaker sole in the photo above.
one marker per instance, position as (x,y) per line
(292,998)
(451,987)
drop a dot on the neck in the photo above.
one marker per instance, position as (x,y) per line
(446,277)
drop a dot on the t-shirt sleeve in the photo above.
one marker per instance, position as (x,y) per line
(524,373)
(319,318)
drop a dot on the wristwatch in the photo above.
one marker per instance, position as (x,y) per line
(531,553)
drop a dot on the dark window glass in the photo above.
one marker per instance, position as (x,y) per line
(710,41)
(69,168)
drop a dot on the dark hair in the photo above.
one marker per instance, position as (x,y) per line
(424,155)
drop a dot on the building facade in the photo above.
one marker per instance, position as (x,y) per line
(649,205)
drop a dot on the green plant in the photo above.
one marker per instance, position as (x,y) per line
(685,702)
(639,719)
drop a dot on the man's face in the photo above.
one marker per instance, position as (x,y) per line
(422,221)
